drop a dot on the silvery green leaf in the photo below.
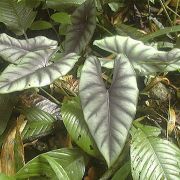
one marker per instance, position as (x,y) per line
(34,71)
(16,16)
(12,49)
(107,63)
(109,112)
(143,68)
(145,59)
(83,25)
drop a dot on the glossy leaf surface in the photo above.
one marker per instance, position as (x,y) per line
(83,25)
(16,16)
(73,119)
(108,112)
(34,71)
(71,160)
(151,157)
(39,123)
(12,49)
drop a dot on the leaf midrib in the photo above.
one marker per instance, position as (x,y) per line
(148,140)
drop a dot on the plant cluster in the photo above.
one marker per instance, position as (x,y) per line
(71,89)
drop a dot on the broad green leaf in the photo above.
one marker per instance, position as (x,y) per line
(108,112)
(123,172)
(63,4)
(61,17)
(148,130)
(73,119)
(34,71)
(16,16)
(63,29)
(145,59)
(57,168)
(7,102)
(32,3)
(12,49)
(39,123)
(40,25)
(71,160)
(83,25)
(153,158)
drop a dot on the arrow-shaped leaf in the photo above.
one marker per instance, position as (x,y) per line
(12,49)
(82,28)
(34,71)
(16,16)
(108,113)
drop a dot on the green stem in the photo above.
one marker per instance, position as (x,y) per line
(25,35)
(111,171)
(53,98)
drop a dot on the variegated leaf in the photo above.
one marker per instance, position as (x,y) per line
(12,49)
(109,113)
(34,71)
(145,59)
(82,28)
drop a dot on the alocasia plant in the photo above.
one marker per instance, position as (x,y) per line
(100,121)
(109,112)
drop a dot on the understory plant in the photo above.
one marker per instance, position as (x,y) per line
(100,116)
